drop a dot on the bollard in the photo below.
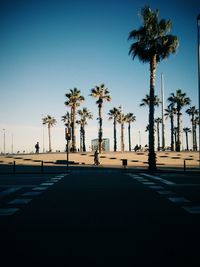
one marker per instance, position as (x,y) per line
(14,166)
(184,165)
(42,166)
(124,163)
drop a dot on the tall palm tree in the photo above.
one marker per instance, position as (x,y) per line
(50,121)
(74,99)
(121,119)
(130,117)
(84,114)
(146,101)
(153,44)
(113,115)
(186,131)
(158,121)
(102,94)
(192,111)
(196,122)
(170,112)
(180,100)
(175,134)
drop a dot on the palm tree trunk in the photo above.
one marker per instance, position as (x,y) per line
(100,128)
(129,135)
(115,135)
(186,136)
(81,138)
(195,137)
(73,129)
(193,133)
(158,133)
(178,143)
(84,147)
(49,133)
(172,132)
(152,154)
(122,136)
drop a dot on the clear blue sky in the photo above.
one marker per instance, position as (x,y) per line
(48,47)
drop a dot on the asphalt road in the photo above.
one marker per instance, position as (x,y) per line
(100,217)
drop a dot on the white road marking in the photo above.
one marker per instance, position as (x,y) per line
(9,191)
(47,183)
(166,192)
(40,188)
(20,201)
(27,194)
(156,187)
(192,209)
(178,199)
(8,211)
(148,183)
(158,179)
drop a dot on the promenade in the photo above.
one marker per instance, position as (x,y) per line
(107,159)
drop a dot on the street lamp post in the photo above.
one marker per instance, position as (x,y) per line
(139,138)
(198,35)
(4,141)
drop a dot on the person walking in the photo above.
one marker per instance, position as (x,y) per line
(37,148)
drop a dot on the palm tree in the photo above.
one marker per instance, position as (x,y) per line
(158,121)
(84,115)
(146,101)
(170,112)
(129,118)
(196,122)
(50,121)
(180,100)
(175,134)
(113,114)
(192,111)
(74,99)
(153,45)
(186,131)
(121,119)
(102,93)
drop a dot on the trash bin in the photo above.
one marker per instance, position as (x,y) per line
(124,162)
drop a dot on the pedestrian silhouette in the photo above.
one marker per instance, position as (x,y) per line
(37,147)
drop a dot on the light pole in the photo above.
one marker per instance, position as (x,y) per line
(163,107)
(43,135)
(4,141)
(139,138)
(198,35)
(12,143)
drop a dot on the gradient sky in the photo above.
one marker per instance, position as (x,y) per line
(48,47)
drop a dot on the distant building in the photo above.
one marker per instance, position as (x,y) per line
(105,144)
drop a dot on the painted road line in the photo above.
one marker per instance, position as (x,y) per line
(187,185)
(17,186)
(8,211)
(178,199)
(158,179)
(31,194)
(167,192)
(47,183)
(192,209)
(20,201)
(148,183)
(9,191)
(40,188)
(157,187)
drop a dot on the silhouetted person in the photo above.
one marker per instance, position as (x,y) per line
(37,148)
